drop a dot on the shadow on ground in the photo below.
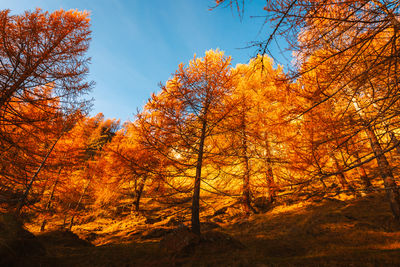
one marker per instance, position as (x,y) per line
(330,232)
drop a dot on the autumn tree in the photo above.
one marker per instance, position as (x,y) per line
(253,127)
(94,133)
(28,140)
(41,48)
(127,167)
(358,41)
(182,119)
(43,73)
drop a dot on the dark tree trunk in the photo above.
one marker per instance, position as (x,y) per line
(21,202)
(363,173)
(246,189)
(48,204)
(196,189)
(246,194)
(271,185)
(342,178)
(386,173)
(138,193)
(78,204)
(66,215)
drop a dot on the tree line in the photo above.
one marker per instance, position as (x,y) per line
(252,132)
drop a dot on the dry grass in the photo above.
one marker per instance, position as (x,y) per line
(332,232)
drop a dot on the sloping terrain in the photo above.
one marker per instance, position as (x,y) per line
(329,232)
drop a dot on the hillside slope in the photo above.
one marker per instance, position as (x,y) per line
(327,232)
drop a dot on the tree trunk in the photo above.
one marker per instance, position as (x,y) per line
(271,185)
(48,204)
(342,178)
(384,167)
(138,193)
(21,202)
(386,173)
(246,188)
(363,173)
(78,204)
(197,180)
(65,216)
(246,194)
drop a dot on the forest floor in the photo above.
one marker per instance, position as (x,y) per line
(326,232)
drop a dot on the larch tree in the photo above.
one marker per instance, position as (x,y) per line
(96,132)
(355,112)
(41,48)
(127,165)
(30,135)
(43,68)
(183,117)
(359,41)
(253,127)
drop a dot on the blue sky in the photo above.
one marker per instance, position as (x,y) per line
(137,44)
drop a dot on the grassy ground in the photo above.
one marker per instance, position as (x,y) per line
(329,232)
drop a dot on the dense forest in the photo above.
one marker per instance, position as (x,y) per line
(216,147)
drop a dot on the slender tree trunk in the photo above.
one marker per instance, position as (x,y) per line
(345,184)
(196,189)
(386,173)
(21,202)
(48,204)
(78,204)
(271,185)
(342,178)
(360,170)
(246,188)
(65,216)
(44,187)
(246,194)
(43,226)
(138,193)
(363,173)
